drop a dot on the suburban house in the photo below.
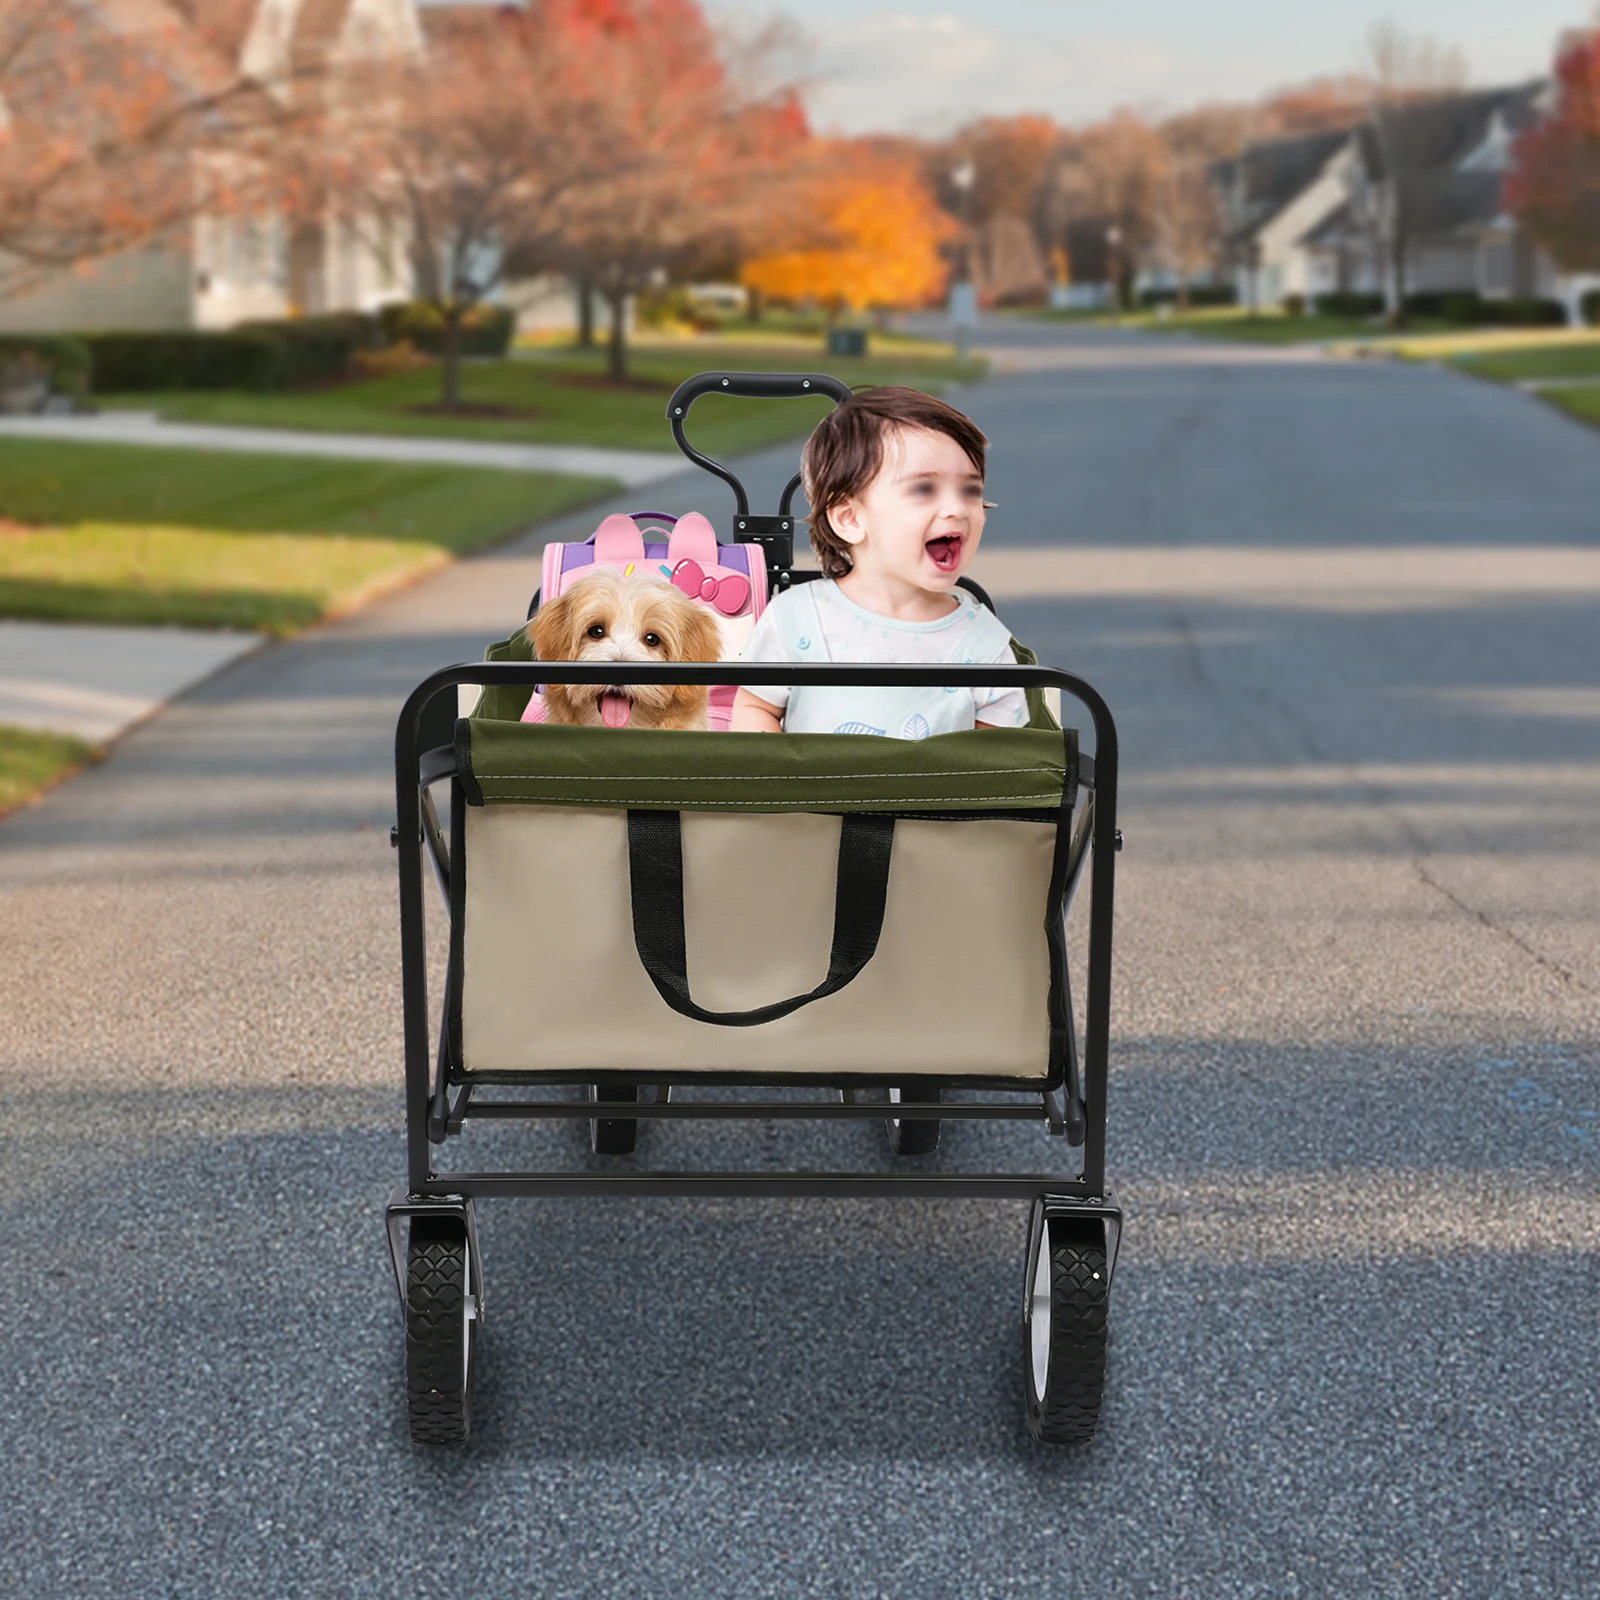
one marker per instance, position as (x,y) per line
(1315,215)
(1275,196)
(1443,164)
(224,268)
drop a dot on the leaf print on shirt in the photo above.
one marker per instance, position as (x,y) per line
(916,727)
(861,727)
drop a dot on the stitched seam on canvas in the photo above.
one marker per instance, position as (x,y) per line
(1052,797)
(767,777)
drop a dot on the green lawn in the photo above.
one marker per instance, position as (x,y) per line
(1274,327)
(31,762)
(1584,404)
(1580,359)
(110,533)
(557,396)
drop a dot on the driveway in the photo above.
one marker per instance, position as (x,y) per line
(1345,613)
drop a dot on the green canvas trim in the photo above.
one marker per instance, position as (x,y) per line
(1039,714)
(506,702)
(516,763)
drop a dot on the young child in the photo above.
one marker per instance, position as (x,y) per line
(895,482)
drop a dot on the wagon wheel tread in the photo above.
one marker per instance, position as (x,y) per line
(1069,1411)
(438,1390)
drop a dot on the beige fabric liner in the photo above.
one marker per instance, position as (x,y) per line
(553,982)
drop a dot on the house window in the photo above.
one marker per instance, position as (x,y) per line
(1497,266)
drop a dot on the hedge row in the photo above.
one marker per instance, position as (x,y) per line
(1345,303)
(67,360)
(1200,294)
(1467,310)
(285,354)
(1472,310)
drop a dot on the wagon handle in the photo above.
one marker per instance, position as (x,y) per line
(747,386)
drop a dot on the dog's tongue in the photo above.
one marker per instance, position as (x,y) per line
(615,709)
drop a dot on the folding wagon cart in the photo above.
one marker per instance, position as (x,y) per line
(633,911)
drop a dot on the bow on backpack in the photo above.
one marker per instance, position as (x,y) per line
(691,565)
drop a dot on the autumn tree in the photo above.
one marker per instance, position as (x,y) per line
(467,154)
(877,236)
(117,125)
(1554,183)
(1409,77)
(1189,222)
(688,165)
(1115,174)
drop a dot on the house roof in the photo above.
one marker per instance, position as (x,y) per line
(165,40)
(1436,135)
(318,25)
(1265,178)
(224,25)
(444,21)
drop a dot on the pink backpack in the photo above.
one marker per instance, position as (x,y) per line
(729,579)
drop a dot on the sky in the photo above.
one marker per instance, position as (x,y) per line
(926,69)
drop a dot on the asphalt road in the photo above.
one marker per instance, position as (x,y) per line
(1355,1100)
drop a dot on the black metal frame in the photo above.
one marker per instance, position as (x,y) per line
(774,534)
(431,1115)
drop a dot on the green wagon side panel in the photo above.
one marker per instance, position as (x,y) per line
(983,771)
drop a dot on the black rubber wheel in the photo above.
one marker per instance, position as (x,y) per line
(914,1136)
(613,1136)
(1064,1332)
(441,1331)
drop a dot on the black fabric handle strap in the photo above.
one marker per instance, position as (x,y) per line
(655,873)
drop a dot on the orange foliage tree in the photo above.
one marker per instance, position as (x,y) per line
(1554,183)
(117,124)
(877,239)
(688,166)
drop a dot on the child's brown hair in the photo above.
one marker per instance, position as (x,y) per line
(845,454)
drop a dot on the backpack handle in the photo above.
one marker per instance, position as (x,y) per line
(655,876)
(747,386)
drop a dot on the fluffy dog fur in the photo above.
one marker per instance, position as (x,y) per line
(604,616)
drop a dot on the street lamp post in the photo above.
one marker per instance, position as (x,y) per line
(963,292)
(1113,239)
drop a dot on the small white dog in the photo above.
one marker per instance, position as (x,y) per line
(605,616)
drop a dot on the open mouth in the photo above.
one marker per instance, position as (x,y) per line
(616,706)
(945,552)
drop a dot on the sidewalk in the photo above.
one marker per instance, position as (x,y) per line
(631,468)
(95,683)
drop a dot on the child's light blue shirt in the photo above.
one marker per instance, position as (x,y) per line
(815,622)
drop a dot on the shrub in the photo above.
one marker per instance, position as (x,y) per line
(485,330)
(1427,303)
(665,308)
(1531,311)
(1347,303)
(1465,310)
(1200,294)
(1294,305)
(1589,308)
(138,361)
(66,359)
(316,349)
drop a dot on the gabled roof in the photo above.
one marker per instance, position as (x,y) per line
(1265,178)
(318,25)
(1437,135)
(224,25)
(165,40)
